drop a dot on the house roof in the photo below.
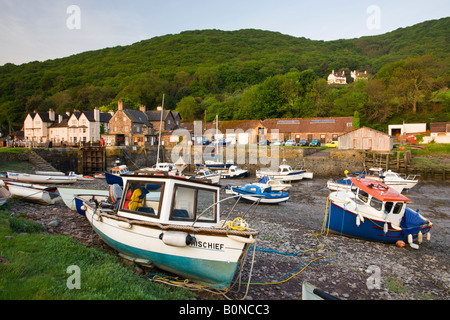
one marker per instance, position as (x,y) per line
(104,117)
(369,129)
(62,124)
(137,116)
(155,115)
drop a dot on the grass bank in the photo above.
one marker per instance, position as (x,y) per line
(38,266)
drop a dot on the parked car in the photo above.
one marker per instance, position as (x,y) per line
(315,143)
(304,143)
(264,142)
(290,143)
(332,144)
(278,143)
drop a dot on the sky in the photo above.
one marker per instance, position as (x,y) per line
(33,30)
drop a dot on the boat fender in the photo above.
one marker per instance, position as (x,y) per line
(410,238)
(419,237)
(176,238)
(414,245)
(358,221)
(428,236)
(385,227)
(124,225)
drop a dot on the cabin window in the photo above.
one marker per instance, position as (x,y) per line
(189,203)
(375,203)
(388,206)
(363,195)
(398,208)
(143,198)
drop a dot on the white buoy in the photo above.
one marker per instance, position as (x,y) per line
(428,236)
(358,221)
(176,238)
(410,238)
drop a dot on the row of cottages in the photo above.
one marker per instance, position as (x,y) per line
(69,128)
(253,131)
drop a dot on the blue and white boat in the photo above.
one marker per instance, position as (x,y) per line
(174,224)
(374,211)
(259,192)
(234,172)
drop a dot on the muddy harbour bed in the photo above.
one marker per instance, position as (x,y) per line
(292,249)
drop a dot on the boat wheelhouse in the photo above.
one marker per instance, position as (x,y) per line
(372,210)
(173,224)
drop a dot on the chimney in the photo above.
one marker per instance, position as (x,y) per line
(120,105)
(96,114)
(142,108)
(60,118)
(51,115)
(159,108)
(68,113)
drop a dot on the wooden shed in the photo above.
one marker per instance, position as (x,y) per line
(366,139)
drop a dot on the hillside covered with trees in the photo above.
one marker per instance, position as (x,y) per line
(245,74)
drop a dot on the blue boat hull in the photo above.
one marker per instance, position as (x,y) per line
(113,179)
(214,166)
(216,274)
(78,205)
(241,175)
(343,222)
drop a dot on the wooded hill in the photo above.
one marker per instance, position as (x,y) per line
(245,74)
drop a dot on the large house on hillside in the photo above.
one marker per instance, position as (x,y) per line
(337,77)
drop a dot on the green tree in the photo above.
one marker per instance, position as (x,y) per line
(190,109)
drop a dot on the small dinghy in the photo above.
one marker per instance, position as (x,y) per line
(260,192)
(33,193)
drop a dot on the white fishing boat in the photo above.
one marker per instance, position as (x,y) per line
(234,172)
(285,173)
(208,175)
(390,178)
(40,178)
(33,193)
(174,224)
(68,194)
(5,195)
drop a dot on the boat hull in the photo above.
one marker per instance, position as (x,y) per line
(29,194)
(68,195)
(235,176)
(292,176)
(342,221)
(211,260)
(37,178)
(268,198)
(113,179)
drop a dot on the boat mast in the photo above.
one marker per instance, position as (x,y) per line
(160,125)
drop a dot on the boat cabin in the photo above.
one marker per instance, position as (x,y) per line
(380,197)
(168,199)
(284,168)
(123,169)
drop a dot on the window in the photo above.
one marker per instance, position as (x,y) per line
(193,204)
(388,207)
(397,208)
(375,203)
(143,197)
(363,195)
